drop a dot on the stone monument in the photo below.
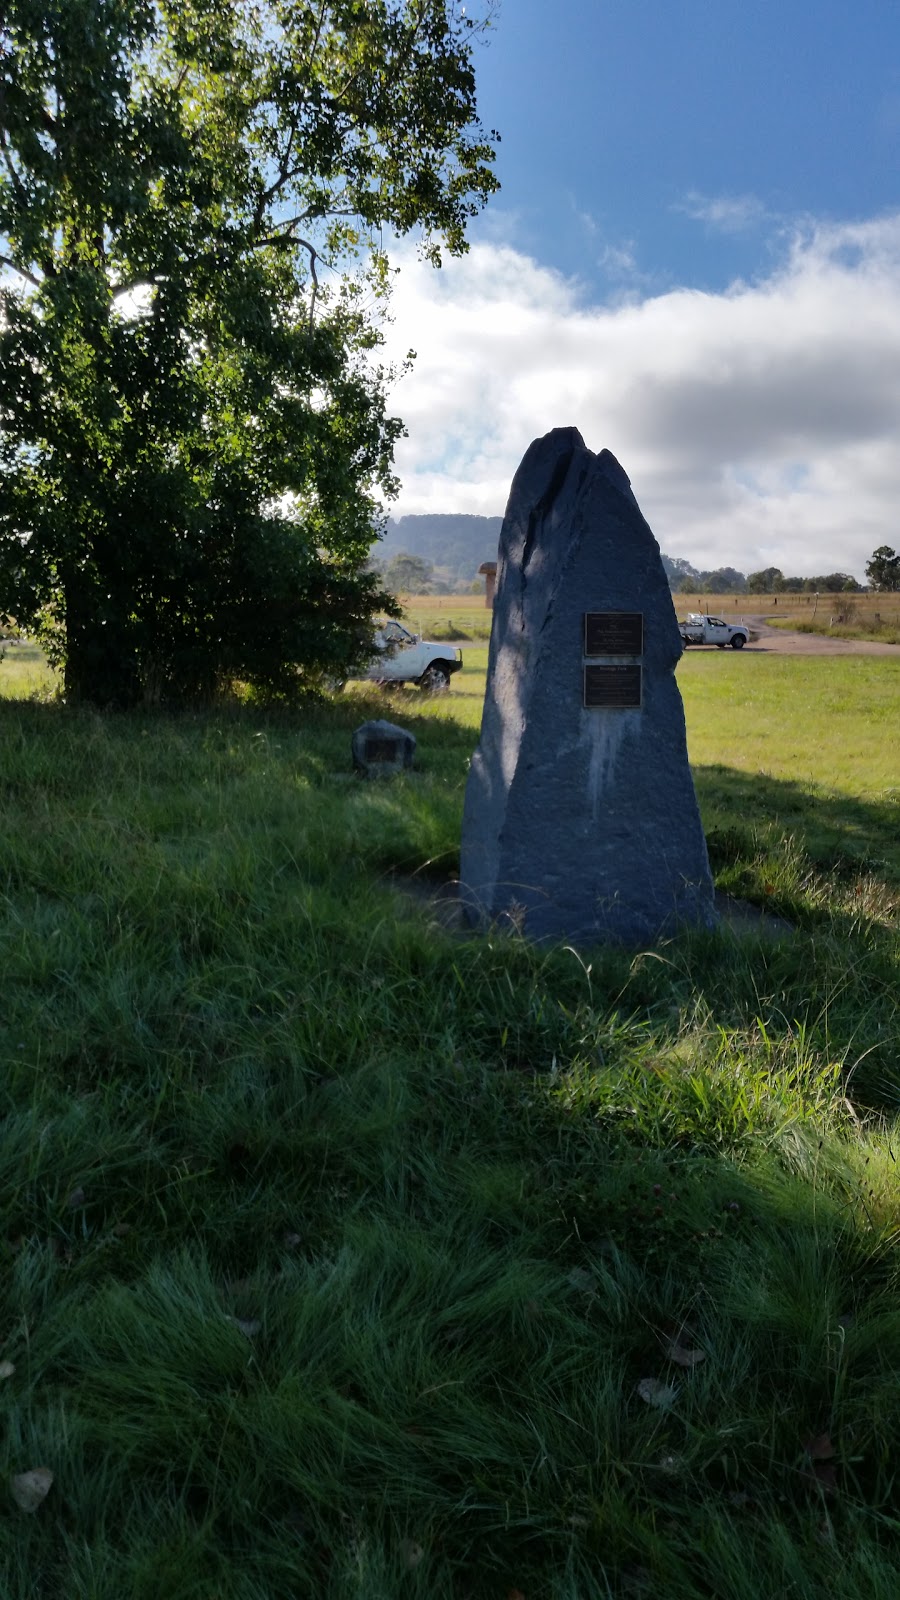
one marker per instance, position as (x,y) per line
(381,749)
(580,819)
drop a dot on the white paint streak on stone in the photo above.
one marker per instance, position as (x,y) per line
(508,681)
(604,732)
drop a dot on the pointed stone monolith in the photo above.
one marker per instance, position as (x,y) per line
(580,821)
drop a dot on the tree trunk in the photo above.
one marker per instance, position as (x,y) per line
(100,667)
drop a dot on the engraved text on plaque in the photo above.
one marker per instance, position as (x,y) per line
(613,633)
(613,687)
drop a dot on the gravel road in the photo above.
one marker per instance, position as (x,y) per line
(781,642)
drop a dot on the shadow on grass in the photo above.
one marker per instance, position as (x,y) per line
(359,1255)
(841,835)
(154,852)
(520,1323)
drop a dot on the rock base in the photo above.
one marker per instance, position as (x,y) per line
(580,819)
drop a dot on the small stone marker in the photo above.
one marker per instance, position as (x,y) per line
(580,819)
(381,748)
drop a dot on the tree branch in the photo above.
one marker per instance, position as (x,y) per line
(285,234)
(339,93)
(315,44)
(5,262)
(313,256)
(14,178)
(285,173)
(293,238)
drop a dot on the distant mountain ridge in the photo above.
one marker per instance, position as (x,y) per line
(456,541)
(456,544)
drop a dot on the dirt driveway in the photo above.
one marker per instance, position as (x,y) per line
(781,642)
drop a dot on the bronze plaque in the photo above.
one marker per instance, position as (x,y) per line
(382,749)
(614,688)
(613,633)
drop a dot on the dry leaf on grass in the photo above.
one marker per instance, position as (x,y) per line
(248,1325)
(821,1470)
(685,1358)
(7,1368)
(579,1278)
(819,1448)
(654,1393)
(411,1553)
(29,1489)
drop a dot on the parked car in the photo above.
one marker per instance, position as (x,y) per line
(404,657)
(700,629)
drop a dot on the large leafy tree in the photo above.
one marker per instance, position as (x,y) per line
(769,581)
(408,574)
(195,438)
(883,570)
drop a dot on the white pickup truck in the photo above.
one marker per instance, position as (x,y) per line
(700,629)
(404,657)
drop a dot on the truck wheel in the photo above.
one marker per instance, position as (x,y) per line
(435,679)
(738,642)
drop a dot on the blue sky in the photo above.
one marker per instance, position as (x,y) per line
(621,119)
(694,258)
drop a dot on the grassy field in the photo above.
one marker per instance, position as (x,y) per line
(861,616)
(839,616)
(24,673)
(347,1257)
(781,746)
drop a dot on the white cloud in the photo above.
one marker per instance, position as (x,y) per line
(618,260)
(758,426)
(726,213)
(585,219)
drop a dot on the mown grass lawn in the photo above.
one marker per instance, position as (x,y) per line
(347,1257)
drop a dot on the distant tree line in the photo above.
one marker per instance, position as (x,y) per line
(407,572)
(772,581)
(452,546)
(686,579)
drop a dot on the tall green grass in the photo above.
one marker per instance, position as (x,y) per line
(24,673)
(347,1256)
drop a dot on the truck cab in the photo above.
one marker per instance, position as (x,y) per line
(700,628)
